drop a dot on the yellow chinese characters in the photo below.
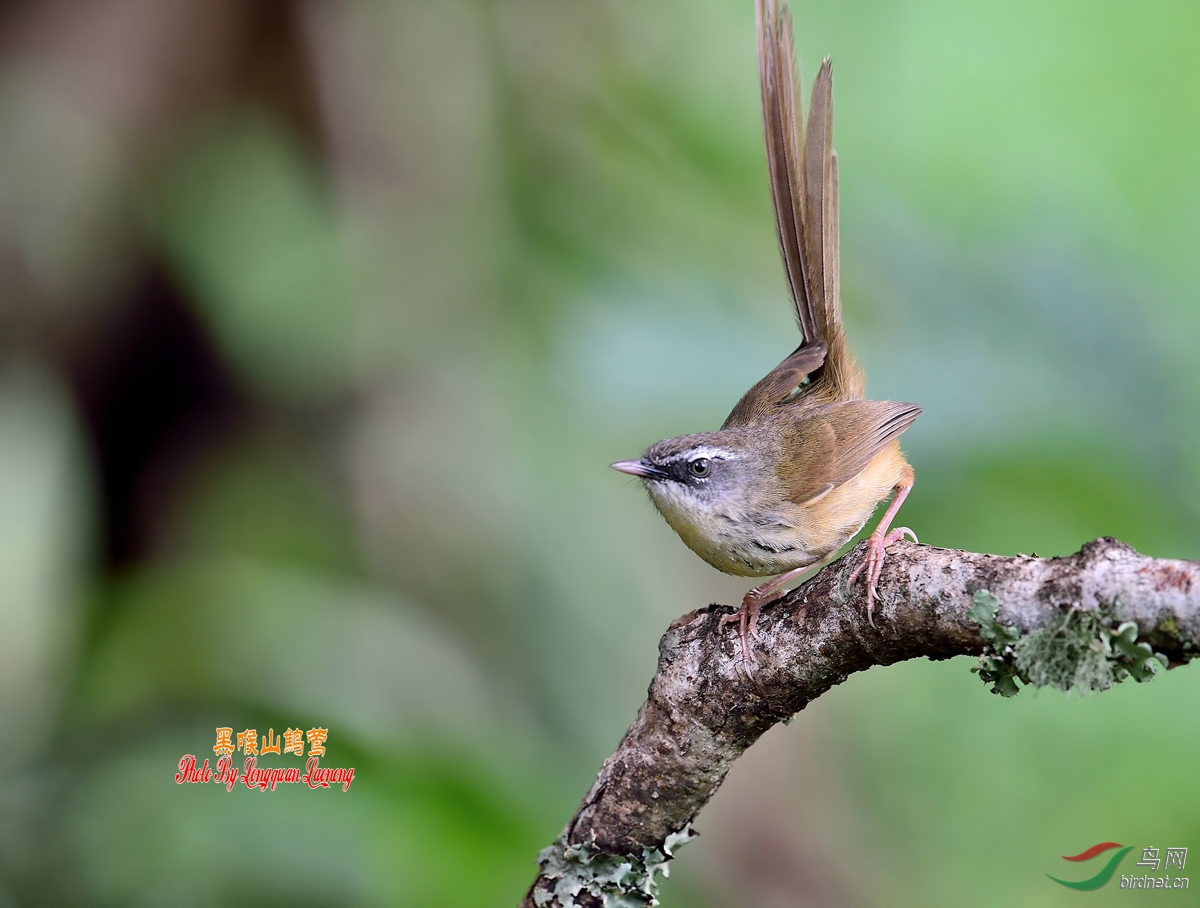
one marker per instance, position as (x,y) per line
(248,741)
(224,746)
(292,742)
(270,744)
(316,740)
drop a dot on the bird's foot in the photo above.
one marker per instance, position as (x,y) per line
(873,564)
(747,621)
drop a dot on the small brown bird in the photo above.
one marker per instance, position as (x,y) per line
(802,461)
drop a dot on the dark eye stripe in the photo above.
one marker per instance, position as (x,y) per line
(682,467)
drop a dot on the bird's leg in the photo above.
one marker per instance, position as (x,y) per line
(752,604)
(879,541)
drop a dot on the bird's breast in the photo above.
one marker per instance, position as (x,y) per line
(747,546)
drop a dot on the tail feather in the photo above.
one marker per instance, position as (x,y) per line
(821,241)
(804,189)
(785,152)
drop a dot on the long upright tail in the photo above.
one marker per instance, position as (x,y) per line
(804,189)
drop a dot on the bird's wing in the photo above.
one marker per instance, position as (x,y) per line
(831,444)
(778,387)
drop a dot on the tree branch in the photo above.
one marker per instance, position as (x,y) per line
(1056,617)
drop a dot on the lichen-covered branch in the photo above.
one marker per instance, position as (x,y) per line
(1088,620)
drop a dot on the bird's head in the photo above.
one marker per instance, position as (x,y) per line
(696,475)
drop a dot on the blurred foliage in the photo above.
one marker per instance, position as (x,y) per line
(500,245)
(246,225)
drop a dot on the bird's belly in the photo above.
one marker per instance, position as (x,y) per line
(751,549)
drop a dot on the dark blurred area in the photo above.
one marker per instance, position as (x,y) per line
(321,321)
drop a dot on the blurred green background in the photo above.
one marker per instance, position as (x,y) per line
(320,323)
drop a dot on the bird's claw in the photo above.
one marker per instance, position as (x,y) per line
(873,564)
(747,621)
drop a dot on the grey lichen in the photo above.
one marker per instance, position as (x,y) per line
(997,665)
(1080,650)
(1169,628)
(1128,656)
(620,881)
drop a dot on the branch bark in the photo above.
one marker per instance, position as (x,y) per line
(701,712)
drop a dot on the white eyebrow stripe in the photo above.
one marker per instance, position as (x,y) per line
(705,451)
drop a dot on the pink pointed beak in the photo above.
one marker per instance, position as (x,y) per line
(637,468)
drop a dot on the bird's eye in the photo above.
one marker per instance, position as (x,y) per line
(699,466)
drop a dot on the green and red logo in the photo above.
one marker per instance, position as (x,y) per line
(1175,858)
(1106,872)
